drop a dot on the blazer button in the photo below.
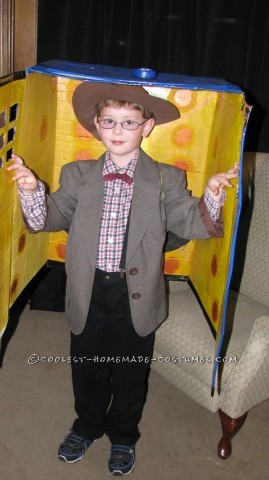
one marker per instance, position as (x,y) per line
(133,271)
(136,296)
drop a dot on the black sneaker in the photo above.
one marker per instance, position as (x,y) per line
(73,448)
(122,460)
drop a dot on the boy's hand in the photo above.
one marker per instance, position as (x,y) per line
(26,179)
(216,183)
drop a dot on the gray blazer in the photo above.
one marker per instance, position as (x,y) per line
(77,206)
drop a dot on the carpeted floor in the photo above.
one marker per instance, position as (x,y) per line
(179,438)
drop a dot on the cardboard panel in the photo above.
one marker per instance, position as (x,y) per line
(35,146)
(213,256)
(206,139)
(11,98)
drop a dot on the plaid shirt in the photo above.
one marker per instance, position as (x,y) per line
(34,207)
(116,207)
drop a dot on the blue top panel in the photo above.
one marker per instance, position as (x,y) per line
(142,76)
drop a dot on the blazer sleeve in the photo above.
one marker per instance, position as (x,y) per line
(187,216)
(62,203)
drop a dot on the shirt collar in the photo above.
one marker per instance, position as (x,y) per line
(111,167)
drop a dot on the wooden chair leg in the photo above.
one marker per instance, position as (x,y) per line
(230,426)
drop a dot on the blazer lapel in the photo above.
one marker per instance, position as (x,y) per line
(91,202)
(146,197)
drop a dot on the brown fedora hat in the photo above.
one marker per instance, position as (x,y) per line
(88,94)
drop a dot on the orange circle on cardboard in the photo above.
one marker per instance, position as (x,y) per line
(21,242)
(182,136)
(171,265)
(44,128)
(183,163)
(61,250)
(82,133)
(215,311)
(14,286)
(70,88)
(184,99)
(214,265)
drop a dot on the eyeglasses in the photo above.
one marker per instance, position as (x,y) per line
(108,123)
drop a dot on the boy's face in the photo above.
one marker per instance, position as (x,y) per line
(122,143)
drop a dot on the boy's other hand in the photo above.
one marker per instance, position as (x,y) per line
(23,176)
(216,183)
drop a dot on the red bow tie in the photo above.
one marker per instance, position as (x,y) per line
(122,176)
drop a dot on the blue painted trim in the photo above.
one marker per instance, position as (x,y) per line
(110,74)
(231,265)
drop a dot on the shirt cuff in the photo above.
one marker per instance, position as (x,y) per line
(34,207)
(212,206)
(34,198)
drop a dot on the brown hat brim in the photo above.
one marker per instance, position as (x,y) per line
(88,94)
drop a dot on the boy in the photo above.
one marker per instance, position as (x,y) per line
(117,220)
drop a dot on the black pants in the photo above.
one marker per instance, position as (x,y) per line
(110,366)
